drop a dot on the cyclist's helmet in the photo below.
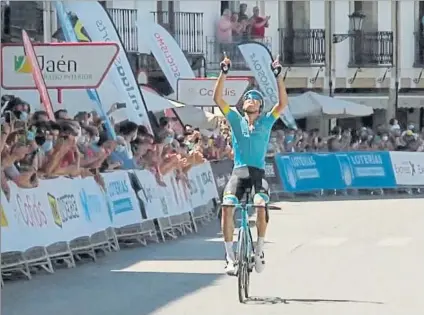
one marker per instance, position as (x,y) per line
(255,95)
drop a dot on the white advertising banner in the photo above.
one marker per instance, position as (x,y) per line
(122,199)
(63,66)
(202,184)
(167,53)
(259,59)
(62,209)
(408,168)
(154,200)
(176,196)
(199,91)
(120,84)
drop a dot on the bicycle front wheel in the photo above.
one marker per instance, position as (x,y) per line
(243,268)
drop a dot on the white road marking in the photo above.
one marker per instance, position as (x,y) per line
(395,241)
(329,241)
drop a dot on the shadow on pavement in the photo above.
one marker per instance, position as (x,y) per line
(131,282)
(101,293)
(254,300)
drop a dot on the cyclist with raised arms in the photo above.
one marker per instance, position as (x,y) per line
(250,137)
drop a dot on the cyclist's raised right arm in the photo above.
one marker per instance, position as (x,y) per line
(218,92)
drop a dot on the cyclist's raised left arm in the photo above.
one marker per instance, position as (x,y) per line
(232,116)
(283,99)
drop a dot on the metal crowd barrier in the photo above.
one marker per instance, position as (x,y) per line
(64,221)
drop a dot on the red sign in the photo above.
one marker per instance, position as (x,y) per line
(37,75)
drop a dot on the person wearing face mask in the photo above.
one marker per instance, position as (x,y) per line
(394,124)
(168,138)
(411,141)
(272,146)
(346,140)
(19,109)
(40,137)
(410,131)
(165,128)
(385,143)
(395,135)
(289,142)
(89,139)
(63,159)
(123,151)
(93,156)
(334,142)
(128,131)
(364,139)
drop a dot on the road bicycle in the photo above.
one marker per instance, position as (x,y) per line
(245,254)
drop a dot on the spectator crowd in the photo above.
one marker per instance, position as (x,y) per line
(384,138)
(34,147)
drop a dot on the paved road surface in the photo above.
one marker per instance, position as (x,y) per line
(340,257)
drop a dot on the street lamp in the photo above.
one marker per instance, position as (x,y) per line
(356,20)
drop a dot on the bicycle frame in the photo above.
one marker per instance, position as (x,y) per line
(244,227)
(245,253)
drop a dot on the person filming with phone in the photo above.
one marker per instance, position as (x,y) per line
(250,136)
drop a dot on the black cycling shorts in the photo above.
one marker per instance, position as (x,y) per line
(246,178)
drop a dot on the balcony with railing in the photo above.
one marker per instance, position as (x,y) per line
(185,27)
(125,21)
(302,47)
(371,49)
(419,50)
(215,49)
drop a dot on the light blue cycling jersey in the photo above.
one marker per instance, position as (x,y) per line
(250,147)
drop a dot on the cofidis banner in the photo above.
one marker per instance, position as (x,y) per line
(168,54)
(99,27)
(259,59)
(303,172)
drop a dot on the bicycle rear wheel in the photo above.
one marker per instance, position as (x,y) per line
(247,277)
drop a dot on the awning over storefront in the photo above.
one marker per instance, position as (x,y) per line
(311,104)
(373,101)
(410,101)
(198,117)
(157,103)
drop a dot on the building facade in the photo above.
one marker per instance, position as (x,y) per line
(379,64)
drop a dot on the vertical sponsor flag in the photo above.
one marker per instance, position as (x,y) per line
(259,59)
(99,27)
(167,53)
(37,75)
(70,36)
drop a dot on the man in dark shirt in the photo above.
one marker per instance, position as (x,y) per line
(243,18)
